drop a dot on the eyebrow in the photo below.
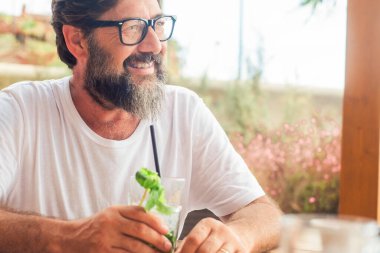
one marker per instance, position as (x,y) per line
(155,16)
(158,15)
(115,21)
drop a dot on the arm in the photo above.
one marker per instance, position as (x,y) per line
(254,228)
(257,224)
(116,229)
(28,232)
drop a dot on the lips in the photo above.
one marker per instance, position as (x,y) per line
(142,60)
(141,65)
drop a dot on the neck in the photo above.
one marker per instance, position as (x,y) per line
(114,124)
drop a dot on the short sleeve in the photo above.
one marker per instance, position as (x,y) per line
(221,181)
(11,125)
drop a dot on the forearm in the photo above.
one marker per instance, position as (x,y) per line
(257,224)
(114,229)
(29,233)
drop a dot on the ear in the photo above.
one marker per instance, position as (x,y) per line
(75,42)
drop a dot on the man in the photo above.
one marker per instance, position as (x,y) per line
(69,146)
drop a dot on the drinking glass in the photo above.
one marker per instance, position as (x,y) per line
(303,233)
(174,188)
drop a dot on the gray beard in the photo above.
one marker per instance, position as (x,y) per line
(143,97)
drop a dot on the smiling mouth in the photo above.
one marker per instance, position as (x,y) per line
(142,61)
(141,65)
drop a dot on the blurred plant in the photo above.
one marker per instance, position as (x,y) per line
(27,40)
(315,3)
(244,102)
(175,61)
(244,105)
(29,52)
(297,105)
(297,164)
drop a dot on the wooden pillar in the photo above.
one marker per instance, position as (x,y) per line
(359,190)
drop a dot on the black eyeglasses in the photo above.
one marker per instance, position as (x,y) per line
(133,30)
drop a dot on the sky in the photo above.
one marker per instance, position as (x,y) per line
(289,44)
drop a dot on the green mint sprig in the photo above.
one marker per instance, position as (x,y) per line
(151,182)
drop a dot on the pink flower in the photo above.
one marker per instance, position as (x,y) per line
(288,159)
(312,200)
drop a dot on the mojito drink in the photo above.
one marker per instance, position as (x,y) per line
(172,221)
(163,197)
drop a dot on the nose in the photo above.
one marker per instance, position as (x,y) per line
(151,43)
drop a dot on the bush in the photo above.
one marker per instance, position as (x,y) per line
(289,138)
(298,165)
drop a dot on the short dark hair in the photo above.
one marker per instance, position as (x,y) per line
(77,13)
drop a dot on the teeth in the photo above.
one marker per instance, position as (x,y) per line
(141,65)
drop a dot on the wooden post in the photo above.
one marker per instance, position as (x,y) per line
(359,190)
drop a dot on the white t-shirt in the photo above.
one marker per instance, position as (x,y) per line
(52,163)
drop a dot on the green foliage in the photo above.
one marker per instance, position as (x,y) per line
(245,108)
(298,164)
(296,105)
(325,196)
(313,3)
(7,19)
(28,25)
(307,192)
(172,238)
(34,52)
(174,61)
(289,138)
(27,40)
(151,182)
(148,179)
(7,43)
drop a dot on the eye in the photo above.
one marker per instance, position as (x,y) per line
(160,23)
(132,28)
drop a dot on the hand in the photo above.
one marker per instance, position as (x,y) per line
(212,236)
(119,229)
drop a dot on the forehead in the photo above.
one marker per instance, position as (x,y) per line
(133,8)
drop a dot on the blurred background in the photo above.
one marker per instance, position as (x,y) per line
(271,71)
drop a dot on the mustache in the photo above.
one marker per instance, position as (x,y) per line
(143,58)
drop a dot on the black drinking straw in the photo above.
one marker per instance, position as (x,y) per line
(155,150)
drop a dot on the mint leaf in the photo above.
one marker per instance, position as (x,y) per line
(151,182)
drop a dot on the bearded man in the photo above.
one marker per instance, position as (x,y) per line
(69,146)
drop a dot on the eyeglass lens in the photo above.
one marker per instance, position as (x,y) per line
(133,30)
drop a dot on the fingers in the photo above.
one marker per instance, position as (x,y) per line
(140,226)
(118,229)
(132,245)
(142,232)
(211,236)
(212,244)
(196,237)
(139,214)
(225,249)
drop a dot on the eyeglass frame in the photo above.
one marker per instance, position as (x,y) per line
(119,24)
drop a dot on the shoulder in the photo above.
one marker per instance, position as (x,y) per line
(29,93)
(31,88)
(181,96)
(179,90)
